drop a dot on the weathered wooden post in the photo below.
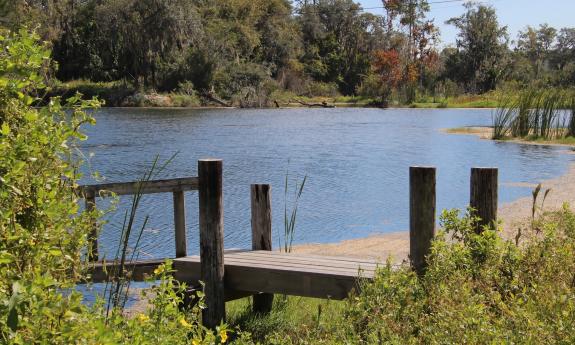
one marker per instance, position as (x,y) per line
(212,240)
(421,215)
(261,235)
(180,223)
(483,196)
(90,205)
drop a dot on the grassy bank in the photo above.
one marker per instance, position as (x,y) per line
(534,116)
(121,94)
(487,133)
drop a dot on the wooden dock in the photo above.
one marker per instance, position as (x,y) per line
(261,272)
(284,273)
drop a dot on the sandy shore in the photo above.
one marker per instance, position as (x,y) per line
(486,133)
(513,215)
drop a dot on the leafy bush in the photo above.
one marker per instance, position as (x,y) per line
(235,79)
(112,94)
(370,86)
(477,289)
(317,89)
(43,236)
(185,100)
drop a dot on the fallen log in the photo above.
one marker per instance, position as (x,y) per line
(212,97)
(319,105)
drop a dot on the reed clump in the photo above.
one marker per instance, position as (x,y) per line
(535,114)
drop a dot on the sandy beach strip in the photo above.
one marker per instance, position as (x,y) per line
(513,215)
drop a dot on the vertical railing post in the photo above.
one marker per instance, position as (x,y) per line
(261,235)
(421,215)
(483,196)
(180,223)
(212,240)
(90,206)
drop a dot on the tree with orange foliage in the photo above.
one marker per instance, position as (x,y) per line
(418,36)
(387,65)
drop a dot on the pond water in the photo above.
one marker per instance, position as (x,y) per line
(357,162)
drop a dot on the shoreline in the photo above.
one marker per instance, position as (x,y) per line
(513,216)
(296,106)
(485,133)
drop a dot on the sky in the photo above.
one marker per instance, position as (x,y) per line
(516,14)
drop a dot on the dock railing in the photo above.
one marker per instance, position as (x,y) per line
(209,184)
(175,186)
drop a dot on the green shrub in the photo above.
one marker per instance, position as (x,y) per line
(477,289)
(185,100)
(111,93)
(318,89)
(43,236)
(371,86)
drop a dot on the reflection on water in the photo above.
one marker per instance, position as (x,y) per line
(356,160)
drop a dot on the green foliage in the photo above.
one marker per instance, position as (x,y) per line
(477,289)
(503,117)
(38,224)
(318,89)
(291,319)
(290,220)
(337,42)
(243,51)
(571,126)
(480,61)
(43,236)
(111,94)
(535,45)
(370,87)
(534,113)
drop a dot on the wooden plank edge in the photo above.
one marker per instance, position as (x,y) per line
(137,271)
(148,187)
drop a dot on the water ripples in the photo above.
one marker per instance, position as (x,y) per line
(357,162)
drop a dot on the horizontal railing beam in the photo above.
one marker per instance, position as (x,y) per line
(136,270)
(147,187)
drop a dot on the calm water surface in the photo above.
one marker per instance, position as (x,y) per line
(357,163)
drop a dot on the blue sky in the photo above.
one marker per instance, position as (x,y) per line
(516,14)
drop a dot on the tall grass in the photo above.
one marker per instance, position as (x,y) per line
(289,221)
(117,288)
(503,117)
(571,128)
(534,113)
(523,120)
(548,109)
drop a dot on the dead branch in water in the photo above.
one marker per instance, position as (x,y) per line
(311,105)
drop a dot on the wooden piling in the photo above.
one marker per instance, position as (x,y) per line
(90,205)
(212,240)
(421,215)
(180,223)
(261,235)
(483,196)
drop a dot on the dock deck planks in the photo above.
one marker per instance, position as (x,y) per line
(284,273)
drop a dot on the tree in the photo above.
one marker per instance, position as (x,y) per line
(565,48)
(481,59)
(411,34)
(387,66)
(535,45)
(153,31)
(124,39)
(338,40)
